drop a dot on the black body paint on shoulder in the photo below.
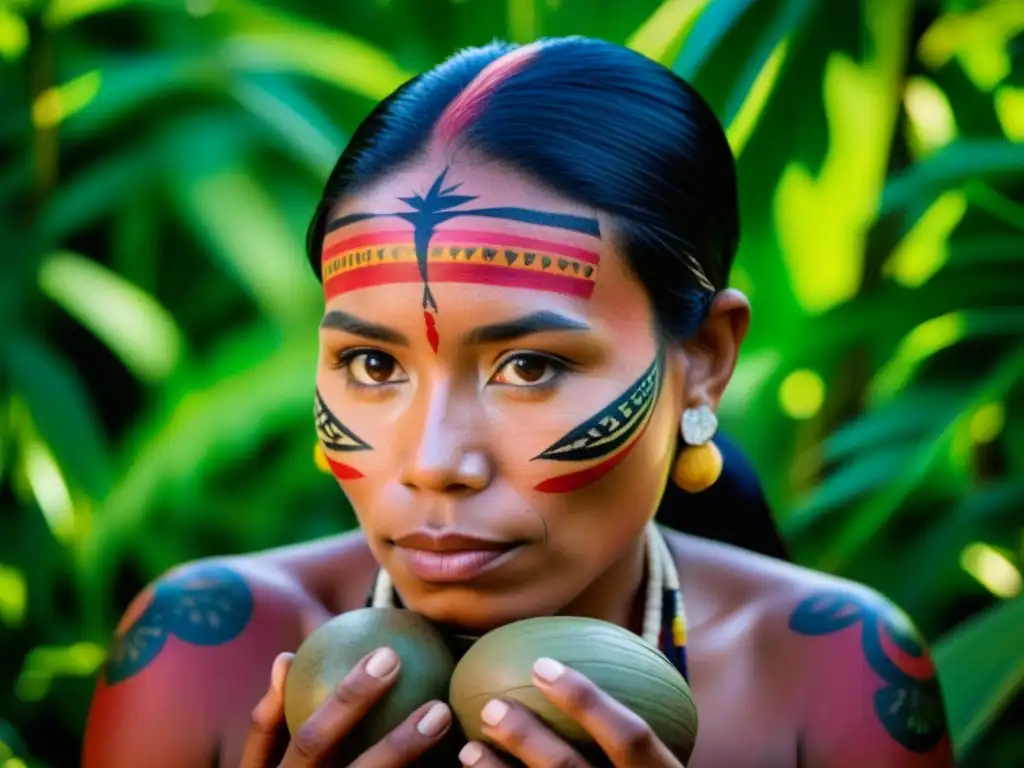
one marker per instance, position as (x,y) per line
(203,605)
(910,705)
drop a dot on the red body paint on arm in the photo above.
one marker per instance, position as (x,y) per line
(873,697)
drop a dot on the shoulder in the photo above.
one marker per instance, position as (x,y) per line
(195,648)
(851,666)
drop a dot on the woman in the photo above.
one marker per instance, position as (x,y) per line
(527,331)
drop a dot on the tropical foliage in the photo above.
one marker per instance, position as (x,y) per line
(157,316)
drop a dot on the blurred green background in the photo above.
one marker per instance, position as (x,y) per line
(157,316)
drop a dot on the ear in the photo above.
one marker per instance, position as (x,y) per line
(711,353)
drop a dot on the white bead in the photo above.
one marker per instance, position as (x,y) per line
(699,425)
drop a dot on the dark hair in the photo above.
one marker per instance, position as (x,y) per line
(602,125)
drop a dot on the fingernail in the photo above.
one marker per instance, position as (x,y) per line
(436,720)
(548,670)
(493,712)
(382,663)
(471,754)
(279,670)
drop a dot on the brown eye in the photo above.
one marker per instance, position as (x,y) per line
(528,371)
(374,368)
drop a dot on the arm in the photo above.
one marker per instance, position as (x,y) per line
(872,696)
(192,651)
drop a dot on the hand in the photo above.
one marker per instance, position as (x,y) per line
(315,742)
(623,736)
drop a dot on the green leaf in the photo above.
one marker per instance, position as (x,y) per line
(254,386)
(863,523)
(249,236)
(791,17)
(130,84)
(131,322)
(982,669)
(907,417)
(667,29)
(262,40)
(949,166)
(97,190)
(850,482)
(293,120)
(707,33)
(61,410)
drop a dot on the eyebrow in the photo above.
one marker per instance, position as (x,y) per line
(343,321)
(537,322)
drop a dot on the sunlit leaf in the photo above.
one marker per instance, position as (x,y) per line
(262,40)
(850,482)
(60,13)
(753,87)
(61,410)
(911,415)
(218,420)
(866,520)
(666,30)
(97,190)
(131,83)
(831,211)
(950,166)
(248,235)
(982,669)
(131,322)
(295,122)
(708,31)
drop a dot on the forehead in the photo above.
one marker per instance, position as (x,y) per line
(441,227)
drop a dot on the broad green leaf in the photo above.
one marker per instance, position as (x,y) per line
(667,29)
(250,238)
(130,84)
(976,516)
(831,211)
(864,522)
(850,482)
(97,190)
(950,166)
(753,87)
(131,322)
(262,40)
(293,120)
(60,13)
(708,31)
(522,20)
(911,415)
(981,667)
(61,410)
(937,334)
(218,420)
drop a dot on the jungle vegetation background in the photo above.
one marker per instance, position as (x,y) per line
(157,316)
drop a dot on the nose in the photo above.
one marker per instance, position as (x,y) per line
(445,451)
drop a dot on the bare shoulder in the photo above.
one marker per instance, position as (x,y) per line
(192,654)
(857,676)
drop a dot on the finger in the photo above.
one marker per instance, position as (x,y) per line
(318,737)
(267,733)
(419,732)
(477,755)
(621,734)
(523,735)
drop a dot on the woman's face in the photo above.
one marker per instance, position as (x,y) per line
(492,394)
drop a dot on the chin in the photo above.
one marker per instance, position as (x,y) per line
(474,611)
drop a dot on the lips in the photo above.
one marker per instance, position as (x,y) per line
(445,558)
